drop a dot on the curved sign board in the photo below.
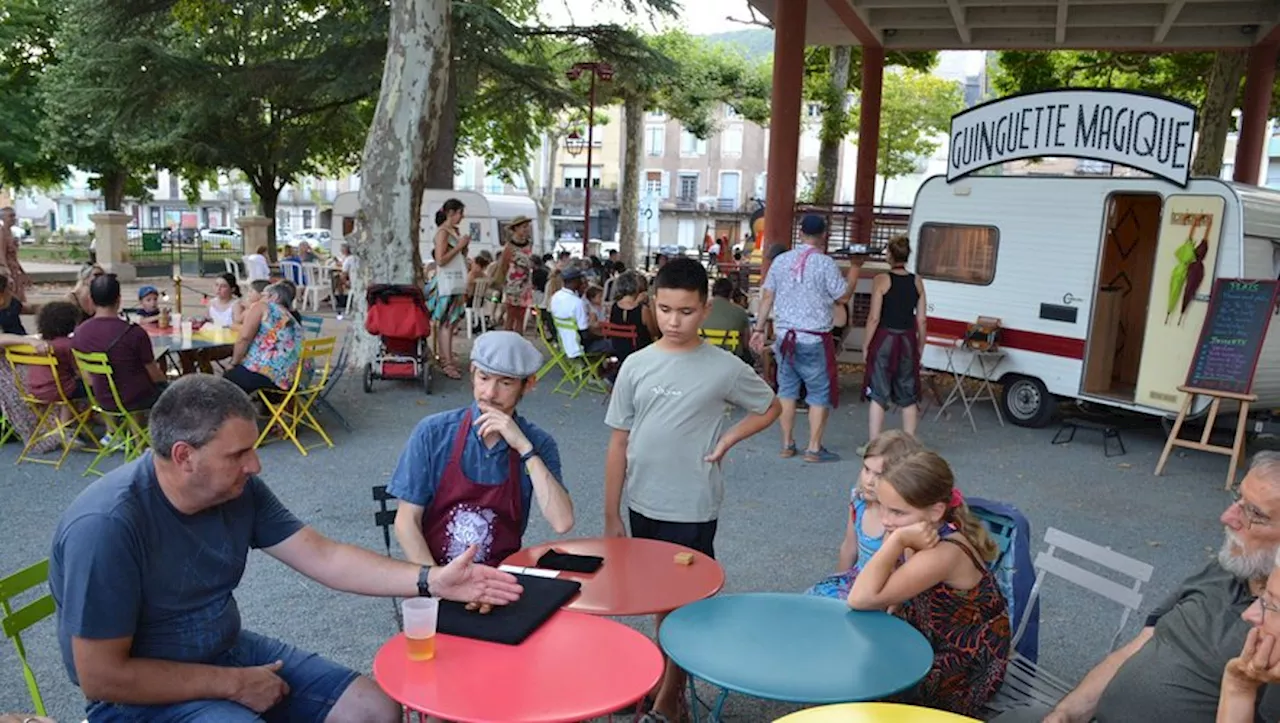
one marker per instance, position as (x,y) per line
(1145,132)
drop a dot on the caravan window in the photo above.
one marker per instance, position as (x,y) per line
(952,252)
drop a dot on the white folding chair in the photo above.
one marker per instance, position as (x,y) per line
(1026,682)
(233,268)
(476,309)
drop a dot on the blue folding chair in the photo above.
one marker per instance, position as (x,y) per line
(339,367)
(312,326)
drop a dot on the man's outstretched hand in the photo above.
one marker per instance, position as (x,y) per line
(464,581)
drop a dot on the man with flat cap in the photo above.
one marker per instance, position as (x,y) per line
(470,476)
(515,272)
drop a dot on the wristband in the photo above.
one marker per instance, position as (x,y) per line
(524,458)
(424,584)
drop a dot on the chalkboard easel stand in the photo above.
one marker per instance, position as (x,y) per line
(1235,451)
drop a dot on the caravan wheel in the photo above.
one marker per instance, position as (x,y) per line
(1026,401)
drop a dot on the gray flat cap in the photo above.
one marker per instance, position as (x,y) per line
(571,273)
(506,354)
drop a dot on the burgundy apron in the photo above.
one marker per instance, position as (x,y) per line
(465,513)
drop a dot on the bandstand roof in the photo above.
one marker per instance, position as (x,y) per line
(1156,25)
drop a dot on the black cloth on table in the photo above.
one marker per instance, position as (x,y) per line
(509,624)
(554,560)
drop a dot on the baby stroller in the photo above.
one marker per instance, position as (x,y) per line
(398,317)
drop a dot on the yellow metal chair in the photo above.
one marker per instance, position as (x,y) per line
(49,423)
(292,409)
(15,622)
(124,432)
(581,371)
(725,339)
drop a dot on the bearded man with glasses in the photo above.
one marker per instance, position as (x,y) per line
(1173,670)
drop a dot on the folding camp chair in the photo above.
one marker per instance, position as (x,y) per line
(124,432)
(49,422)
(1027,682)
(723,338)
(581,370)
(293,409)
(15,622)
(385,518)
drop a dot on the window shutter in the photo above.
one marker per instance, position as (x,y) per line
(666,185)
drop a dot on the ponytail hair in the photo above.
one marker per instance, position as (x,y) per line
(924,479)
(899,250)
(449,207)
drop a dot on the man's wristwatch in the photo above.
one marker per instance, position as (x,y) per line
(424,583)
(524,458)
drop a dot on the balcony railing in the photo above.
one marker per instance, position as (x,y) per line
(843,226)
(578,196)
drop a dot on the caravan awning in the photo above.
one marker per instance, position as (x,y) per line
(1158,25)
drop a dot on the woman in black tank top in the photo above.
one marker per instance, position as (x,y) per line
(893,341)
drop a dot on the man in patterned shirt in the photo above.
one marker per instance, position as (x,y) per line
(801,289)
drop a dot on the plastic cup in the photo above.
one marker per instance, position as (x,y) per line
(187,329)
(420,616)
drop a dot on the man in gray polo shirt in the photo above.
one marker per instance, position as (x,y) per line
(1172,671)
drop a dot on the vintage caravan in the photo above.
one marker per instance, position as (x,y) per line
(486,220)
(1093,279)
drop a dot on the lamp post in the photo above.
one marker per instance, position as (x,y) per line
(604,72)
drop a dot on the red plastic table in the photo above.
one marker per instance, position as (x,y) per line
(638,577)
(574,668)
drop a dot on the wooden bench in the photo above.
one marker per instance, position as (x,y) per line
(1067,432)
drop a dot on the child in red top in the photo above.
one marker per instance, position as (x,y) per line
(56,321)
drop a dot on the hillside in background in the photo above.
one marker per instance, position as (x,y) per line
(754,43)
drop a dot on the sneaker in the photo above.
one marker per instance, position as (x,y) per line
(862,451)
(820,455)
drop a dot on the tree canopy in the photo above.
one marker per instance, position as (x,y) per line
(915,109)
(26,50)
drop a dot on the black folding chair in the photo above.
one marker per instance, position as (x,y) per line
(322,401)
(385,518)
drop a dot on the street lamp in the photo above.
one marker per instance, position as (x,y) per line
(604,72)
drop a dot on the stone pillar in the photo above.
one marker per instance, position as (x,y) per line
(1259,79)
(111,234)
(784,136)
(253,229)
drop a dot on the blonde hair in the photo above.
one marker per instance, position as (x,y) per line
(899,249)
(924,479)
(892,447)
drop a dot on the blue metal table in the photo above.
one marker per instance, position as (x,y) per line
(794,648)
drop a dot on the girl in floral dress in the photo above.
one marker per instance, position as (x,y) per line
(943,588)
(517,260)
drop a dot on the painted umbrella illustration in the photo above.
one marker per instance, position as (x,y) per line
(1195,272)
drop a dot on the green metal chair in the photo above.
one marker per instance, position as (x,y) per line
(124,432)
(15,622)
(581,371)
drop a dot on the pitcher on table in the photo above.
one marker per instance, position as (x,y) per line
(470,476)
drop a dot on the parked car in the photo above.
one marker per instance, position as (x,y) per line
(319,238)
(216,235)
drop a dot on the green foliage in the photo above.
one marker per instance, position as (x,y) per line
(754,44)
(702,76)
(915,108)
(1175,75)
(26,50)
(837,123)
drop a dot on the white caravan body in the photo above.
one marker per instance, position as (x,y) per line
(1078,270)
(486,217)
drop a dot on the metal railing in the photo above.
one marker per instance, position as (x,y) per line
(843,225)
(154,251)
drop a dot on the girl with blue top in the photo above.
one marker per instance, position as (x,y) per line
(864,531)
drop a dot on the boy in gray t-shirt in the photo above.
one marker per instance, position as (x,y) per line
(667,412)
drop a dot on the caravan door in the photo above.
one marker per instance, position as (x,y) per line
(1186,257)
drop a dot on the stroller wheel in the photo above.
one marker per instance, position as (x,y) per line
(426,378)
(368,378)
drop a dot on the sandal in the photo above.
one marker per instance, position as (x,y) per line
(451,371)
(788,451)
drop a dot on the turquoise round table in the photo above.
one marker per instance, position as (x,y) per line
(794,648)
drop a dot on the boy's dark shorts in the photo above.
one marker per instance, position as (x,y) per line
(700,536)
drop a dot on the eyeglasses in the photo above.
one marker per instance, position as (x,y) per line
(1267,607)
(1252,515)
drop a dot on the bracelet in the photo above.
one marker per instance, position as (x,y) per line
(524,458)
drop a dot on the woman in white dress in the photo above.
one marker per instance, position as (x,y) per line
(226,308)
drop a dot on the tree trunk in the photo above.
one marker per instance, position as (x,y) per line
(268,198)
(441,163)
(113,183)
(401,139)
(1221,92)
(835,125)
(542,190)
(629,204)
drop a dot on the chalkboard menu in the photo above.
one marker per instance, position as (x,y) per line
(1231,340)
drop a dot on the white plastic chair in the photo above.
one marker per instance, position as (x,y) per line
(476,309)
(1026,682)
(317,285)
(233,268)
